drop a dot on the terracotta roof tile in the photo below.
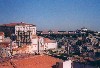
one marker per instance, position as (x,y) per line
(21,48)
(5,65)
(1,33)
(4,44)
(47,40)
(36,62)
(14,24)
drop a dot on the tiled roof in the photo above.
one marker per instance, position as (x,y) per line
(34,36)
(38,61)
(14,24)
(21,48)
(4,44)
(47,40)
(1,33)
(5,65)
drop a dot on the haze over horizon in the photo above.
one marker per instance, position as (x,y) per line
(52,14)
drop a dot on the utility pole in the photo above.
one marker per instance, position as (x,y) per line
(38,46)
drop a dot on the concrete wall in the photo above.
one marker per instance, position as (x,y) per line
(51,45)
(41,43)
(67,64)
(34,43)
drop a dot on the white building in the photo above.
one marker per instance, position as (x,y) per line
(25,34)
(98,32)
(49,44)
(84,29)
(64,64)
(67,64)
(25,27)
(40,44)
(37,44)
(34,45)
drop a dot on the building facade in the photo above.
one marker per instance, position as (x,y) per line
(21,32)
(50,44)
(24,33)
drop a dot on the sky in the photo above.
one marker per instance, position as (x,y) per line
(52,14)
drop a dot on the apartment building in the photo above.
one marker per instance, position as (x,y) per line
(24,33)
(21,32)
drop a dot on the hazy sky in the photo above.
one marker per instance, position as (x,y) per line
(52,14)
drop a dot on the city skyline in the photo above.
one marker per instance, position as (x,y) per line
(52,14)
